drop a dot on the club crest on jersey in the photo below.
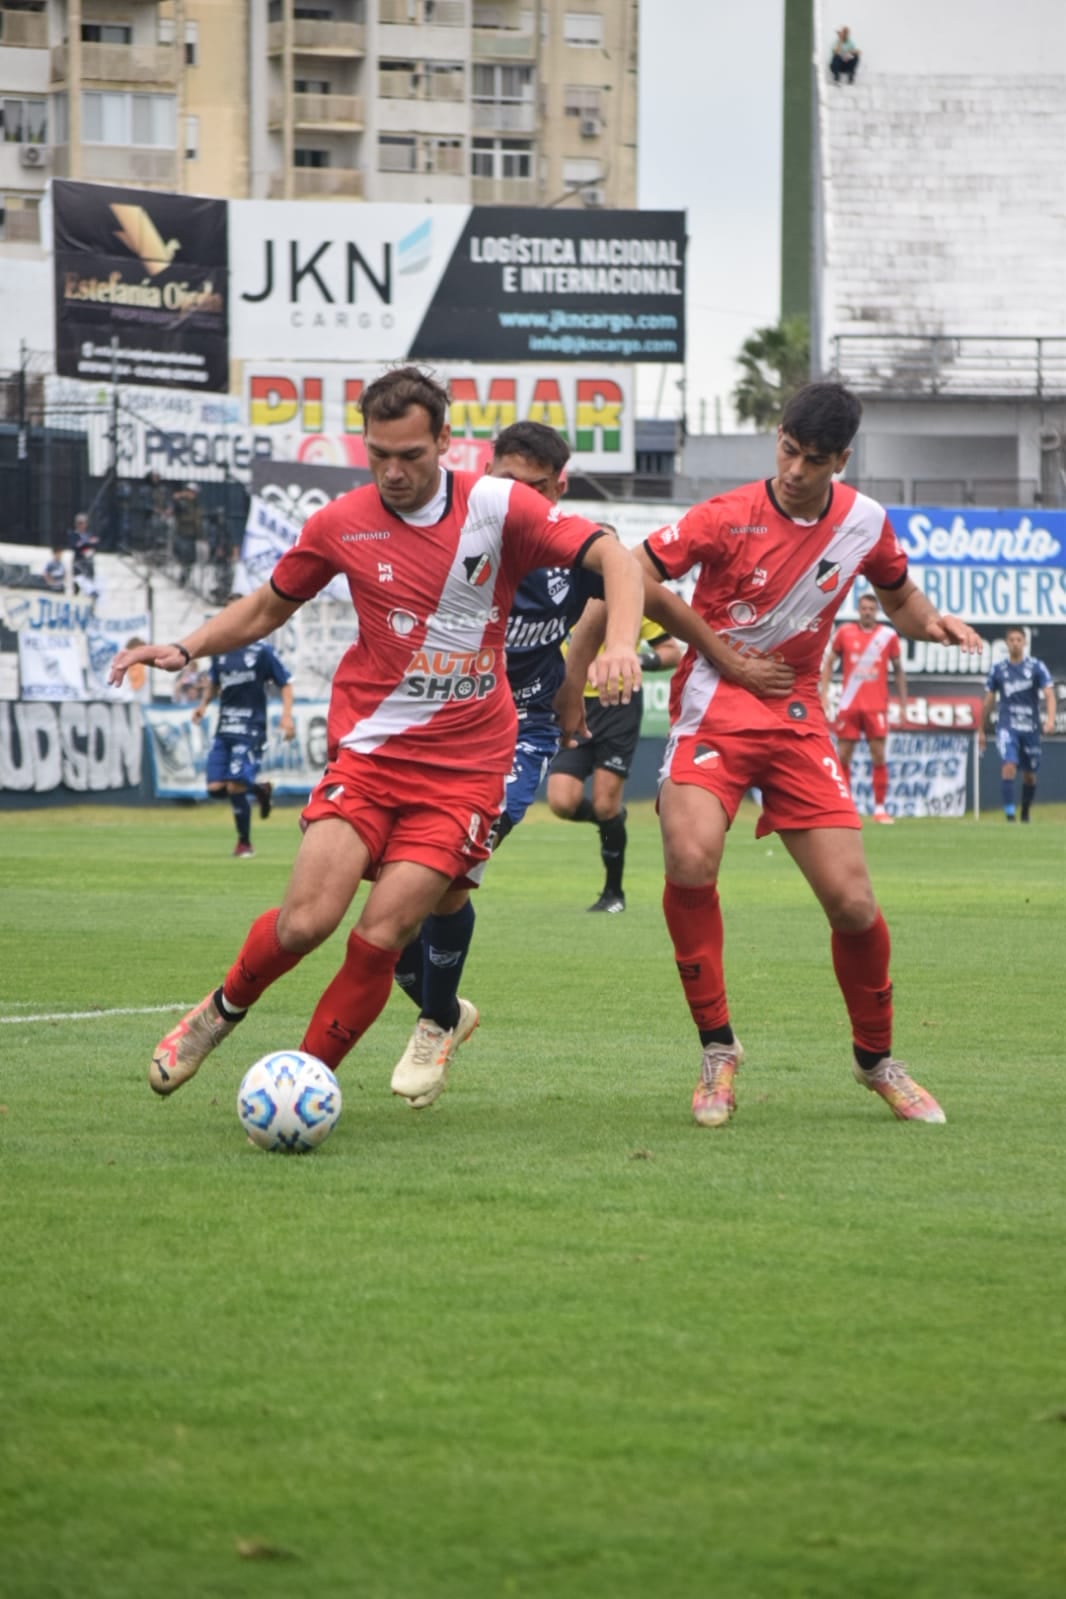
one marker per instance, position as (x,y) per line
(827,576)
(478,569)
(249,657)
(558,584)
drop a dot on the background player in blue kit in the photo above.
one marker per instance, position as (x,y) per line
(238,680)
(1018,682)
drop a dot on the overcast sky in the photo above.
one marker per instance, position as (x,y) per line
(710,144)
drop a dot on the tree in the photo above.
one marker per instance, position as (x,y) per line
(776,362)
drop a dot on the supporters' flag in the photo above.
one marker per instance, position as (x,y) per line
(827,576)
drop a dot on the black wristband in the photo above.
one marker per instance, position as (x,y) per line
(184,651)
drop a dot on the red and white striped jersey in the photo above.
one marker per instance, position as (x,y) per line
(425,680)
(771,586)
(865,654)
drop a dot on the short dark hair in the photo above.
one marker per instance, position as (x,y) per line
(536,441)
(825,415)
(392,395)
(1015,627)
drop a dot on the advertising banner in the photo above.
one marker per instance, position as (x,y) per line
(88,748)
(178,749)
(178,433)
(311,280)
(311,412)
(140,286)
(268,533)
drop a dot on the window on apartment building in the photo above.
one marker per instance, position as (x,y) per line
(397,152)
(575,173)
(165,33)
(106,33)
(501,158)
(192,138)
(500,83)
(582,100)
(140,119)
(24,121)
(584,29)
(444,80)
(312,158)
(309,14)
(312,86)
(396,79)
(444,155)
(192,44)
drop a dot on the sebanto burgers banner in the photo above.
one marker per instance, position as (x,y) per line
(314,281)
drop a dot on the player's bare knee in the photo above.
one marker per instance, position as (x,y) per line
(852,909)
(689,865)
(302,928)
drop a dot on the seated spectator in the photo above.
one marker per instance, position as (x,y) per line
(845,62)
(55,571)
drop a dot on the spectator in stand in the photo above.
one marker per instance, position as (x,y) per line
(188,528)
(55,571)
(84,544)
(845,62)
(1019,683)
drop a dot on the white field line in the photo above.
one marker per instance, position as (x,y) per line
(92,1015)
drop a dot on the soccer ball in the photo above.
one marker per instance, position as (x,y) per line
(288,1101)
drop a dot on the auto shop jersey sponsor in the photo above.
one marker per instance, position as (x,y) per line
(451,676)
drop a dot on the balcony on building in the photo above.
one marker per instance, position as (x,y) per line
(422,13)
(157,64)
(319,183)
(503,191)
(322,113)
(504,116)
(502,32)
(106,163)
(339,35)
(23,28)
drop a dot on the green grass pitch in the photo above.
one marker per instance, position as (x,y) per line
(549,1338)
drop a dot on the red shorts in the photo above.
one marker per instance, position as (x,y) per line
(404,811)
(800,779)
(853,725)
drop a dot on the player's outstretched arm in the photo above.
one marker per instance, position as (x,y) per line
(761,676)
(616,673)
(916,617)
(288,726)
(1049,710)
(246,620)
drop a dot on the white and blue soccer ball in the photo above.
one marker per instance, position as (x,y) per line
(289,1101)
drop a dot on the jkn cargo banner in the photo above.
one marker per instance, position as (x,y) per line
(311,413)
(140,286)
(317,281)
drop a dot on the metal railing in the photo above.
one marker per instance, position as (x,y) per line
(949,364)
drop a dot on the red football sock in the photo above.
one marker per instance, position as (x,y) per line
(860,961)
(355,998)
(694,919)
(261,962)
(880,779)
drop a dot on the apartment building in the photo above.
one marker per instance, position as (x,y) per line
(437,101)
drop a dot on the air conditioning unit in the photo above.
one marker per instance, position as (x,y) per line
(33,155)
(590,127)
(594,197)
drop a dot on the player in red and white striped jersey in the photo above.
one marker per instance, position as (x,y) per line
(864,649)
(421,721)
(776,560)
